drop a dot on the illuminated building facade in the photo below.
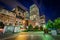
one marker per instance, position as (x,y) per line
(7,16)
(35,17)
(17,15)
(34,12)
(21,16)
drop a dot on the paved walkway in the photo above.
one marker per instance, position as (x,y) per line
(7,35)
(32,36)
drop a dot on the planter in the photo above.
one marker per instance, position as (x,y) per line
(58,31)
(54,32)
(8,29)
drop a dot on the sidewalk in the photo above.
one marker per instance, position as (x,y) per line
(12,35)
(56,37)
(7,35)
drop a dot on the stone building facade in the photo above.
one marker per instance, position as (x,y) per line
(17,15)
(7,16)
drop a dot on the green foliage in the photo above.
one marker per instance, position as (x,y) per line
(30,28)
(57,23)
(25,30)
(49,24)
(36,28)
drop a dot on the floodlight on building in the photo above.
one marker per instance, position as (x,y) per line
(23,21)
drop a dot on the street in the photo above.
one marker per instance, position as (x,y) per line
(31,36)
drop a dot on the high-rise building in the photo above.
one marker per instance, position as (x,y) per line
(42,20)
(35,17)
(34,13)
(34,10)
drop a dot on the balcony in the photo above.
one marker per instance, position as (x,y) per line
(20,17)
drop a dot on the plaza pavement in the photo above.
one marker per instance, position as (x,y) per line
(30,36)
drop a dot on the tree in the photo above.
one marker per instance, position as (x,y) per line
(57,23)
(30,28)
(36,28)
(49,24)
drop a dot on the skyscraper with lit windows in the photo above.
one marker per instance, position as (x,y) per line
(35,17)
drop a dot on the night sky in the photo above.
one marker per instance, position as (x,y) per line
(50,8)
